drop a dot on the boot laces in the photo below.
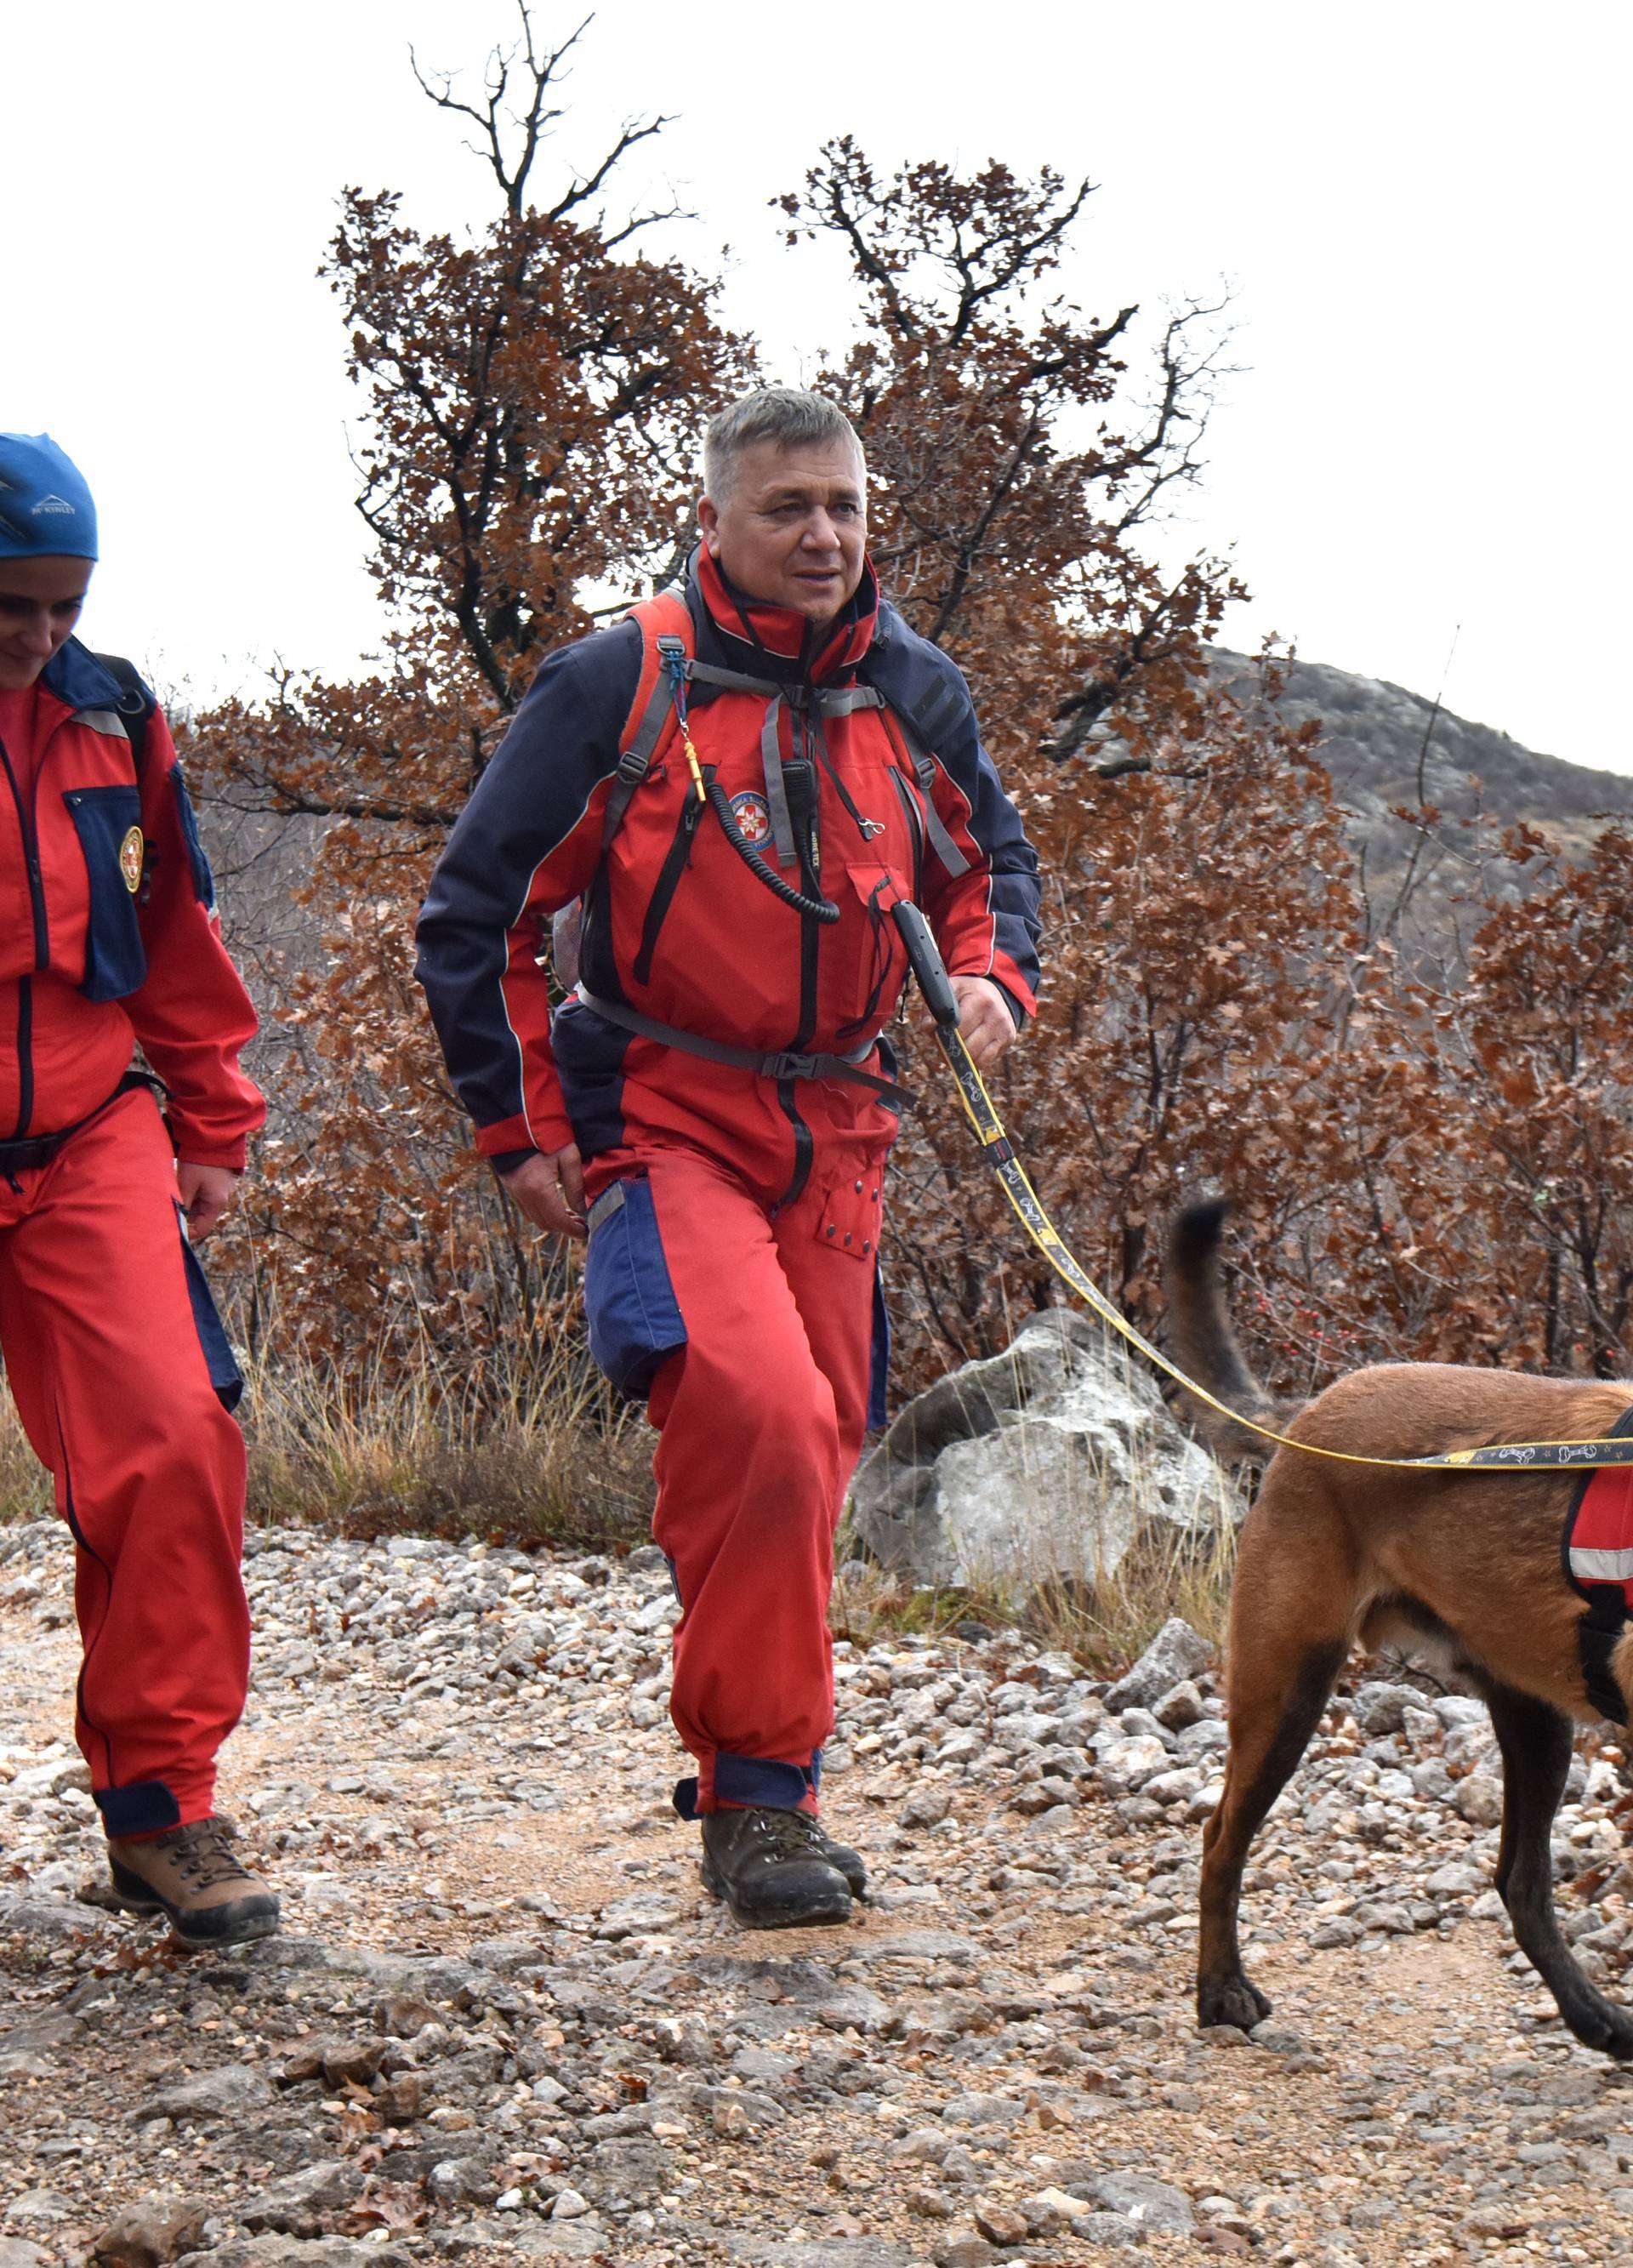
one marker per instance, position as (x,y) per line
(204,1854)
(791,1834)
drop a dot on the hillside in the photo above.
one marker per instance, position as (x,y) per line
(1371,741)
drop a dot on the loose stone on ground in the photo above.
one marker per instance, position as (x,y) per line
(504,2024)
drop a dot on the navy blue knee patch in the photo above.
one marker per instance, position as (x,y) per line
(635,1319)
(224,1375)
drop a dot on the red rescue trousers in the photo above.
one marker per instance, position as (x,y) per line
(102,1348)
(762,1416)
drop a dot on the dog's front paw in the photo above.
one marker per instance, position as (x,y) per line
(1230,2000)
(1606,2028)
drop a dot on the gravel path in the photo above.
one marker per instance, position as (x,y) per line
(505,2024)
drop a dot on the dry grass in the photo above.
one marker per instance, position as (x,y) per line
(1104,1625)
(515,1452)
(540,1454)
(25,1484)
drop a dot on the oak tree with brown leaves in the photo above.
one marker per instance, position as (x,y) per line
(1429,1156)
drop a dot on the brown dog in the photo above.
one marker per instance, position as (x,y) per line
(1466,1566)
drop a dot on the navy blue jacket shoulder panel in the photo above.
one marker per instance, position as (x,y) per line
(562,743)
(927,687)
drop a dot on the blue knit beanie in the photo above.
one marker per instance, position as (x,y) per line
(45,507)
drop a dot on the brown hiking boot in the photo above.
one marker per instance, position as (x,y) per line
(193,1875)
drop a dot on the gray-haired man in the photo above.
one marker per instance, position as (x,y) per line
(739,781)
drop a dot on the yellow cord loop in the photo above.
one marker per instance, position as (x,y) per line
(1513,1456)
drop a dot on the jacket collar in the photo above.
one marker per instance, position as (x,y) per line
(75,677)
(774,641)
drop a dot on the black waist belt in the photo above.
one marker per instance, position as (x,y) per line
(788,1065)
(34,1152)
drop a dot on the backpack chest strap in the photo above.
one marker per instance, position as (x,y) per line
(782,1064)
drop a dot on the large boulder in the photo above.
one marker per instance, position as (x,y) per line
(1051,1460)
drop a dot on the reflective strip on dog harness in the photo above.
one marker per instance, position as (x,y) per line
(1589,1566)
(1597,1548)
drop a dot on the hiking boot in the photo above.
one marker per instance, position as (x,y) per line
(773,1870)
(849,1863)
(193,1875)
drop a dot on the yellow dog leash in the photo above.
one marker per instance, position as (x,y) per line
(1512,1456)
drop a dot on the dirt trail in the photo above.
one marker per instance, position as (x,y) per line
(504,2022)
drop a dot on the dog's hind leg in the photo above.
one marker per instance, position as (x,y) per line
(1277,1692)
(1535,1742)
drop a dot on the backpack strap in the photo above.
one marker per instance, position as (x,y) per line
(904,728)
(665,625)
(667,630)
(137,704)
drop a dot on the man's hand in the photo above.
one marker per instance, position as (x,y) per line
(206,1192)
(985,1024)
(548,1189)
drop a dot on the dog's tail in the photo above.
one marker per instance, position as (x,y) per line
(1202,1339)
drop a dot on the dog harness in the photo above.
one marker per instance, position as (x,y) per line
(1598,1553)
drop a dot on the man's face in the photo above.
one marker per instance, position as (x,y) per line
(40,603)
(792,526)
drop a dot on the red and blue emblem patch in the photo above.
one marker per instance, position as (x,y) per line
(753,816)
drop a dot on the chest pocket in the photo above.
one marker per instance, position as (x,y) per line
(108,822)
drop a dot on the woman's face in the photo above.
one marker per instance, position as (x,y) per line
(40,603)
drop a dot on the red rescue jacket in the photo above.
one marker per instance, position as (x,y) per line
(109,933)
(678,928)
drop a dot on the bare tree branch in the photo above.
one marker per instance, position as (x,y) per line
(534,117)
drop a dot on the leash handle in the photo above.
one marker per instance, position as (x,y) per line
(924,955)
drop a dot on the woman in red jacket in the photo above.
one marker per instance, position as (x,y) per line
(108,939)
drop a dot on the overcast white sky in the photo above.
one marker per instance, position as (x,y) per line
(1420,211)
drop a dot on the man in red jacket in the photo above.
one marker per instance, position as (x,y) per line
(739,782)
(119,1367)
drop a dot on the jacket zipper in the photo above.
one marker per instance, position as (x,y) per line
(37,907)
(676,860)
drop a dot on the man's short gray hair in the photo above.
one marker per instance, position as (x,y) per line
(786,414)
